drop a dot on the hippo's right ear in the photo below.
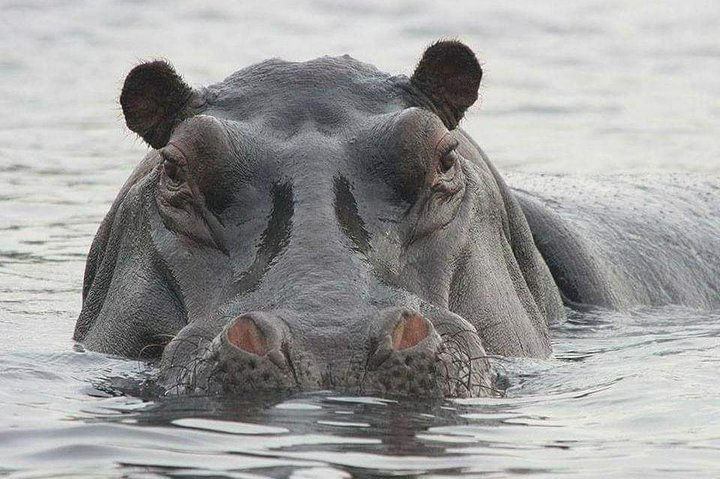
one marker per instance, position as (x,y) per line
(154,100)
(449,75)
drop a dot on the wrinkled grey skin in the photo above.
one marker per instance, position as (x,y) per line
(314,237)
(625,241)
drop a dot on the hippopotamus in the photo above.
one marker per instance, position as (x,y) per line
(325,225)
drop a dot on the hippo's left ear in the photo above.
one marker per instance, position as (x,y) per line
(154,100)
(449,75)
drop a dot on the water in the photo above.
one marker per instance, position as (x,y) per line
(582,87)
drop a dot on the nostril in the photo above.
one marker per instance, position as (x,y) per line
(409,331)
(244,334)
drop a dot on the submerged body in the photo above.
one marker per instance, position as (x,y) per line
(625,241)
(326,225)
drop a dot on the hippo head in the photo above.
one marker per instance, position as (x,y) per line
(316,225)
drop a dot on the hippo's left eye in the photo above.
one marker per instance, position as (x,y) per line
(447,158)
(173,173)
(447,161)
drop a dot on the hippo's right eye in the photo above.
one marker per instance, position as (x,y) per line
(173,173)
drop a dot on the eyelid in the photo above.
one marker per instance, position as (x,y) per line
(169,158)
(173,154)
(446,145)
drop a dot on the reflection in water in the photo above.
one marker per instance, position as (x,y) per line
(581,87)
(588,410)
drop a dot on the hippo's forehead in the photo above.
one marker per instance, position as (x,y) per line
(327,94)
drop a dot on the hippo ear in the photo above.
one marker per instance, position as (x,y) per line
(154,100)
(449,75)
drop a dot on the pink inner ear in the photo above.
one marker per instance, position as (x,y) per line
(409,332)
(244,334)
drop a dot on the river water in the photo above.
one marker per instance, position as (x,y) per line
(582,87)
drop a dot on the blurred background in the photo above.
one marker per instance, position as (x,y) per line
(578,86)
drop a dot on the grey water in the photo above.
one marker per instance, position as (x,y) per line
(582,87)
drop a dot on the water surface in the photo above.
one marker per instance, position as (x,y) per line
(585,87)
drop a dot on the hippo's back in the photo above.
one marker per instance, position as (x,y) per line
(625,240)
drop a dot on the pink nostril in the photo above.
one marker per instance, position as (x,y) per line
(409,331)
(244,334)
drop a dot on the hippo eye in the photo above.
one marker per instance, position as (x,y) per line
(173,172)
(447,156)
(447,161)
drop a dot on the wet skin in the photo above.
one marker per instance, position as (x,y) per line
(316,225)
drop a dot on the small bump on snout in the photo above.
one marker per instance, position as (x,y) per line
(245,335)
(409,331)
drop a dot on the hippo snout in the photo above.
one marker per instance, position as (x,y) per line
(256,337)
(401,333)
(396,351)
(251,353)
